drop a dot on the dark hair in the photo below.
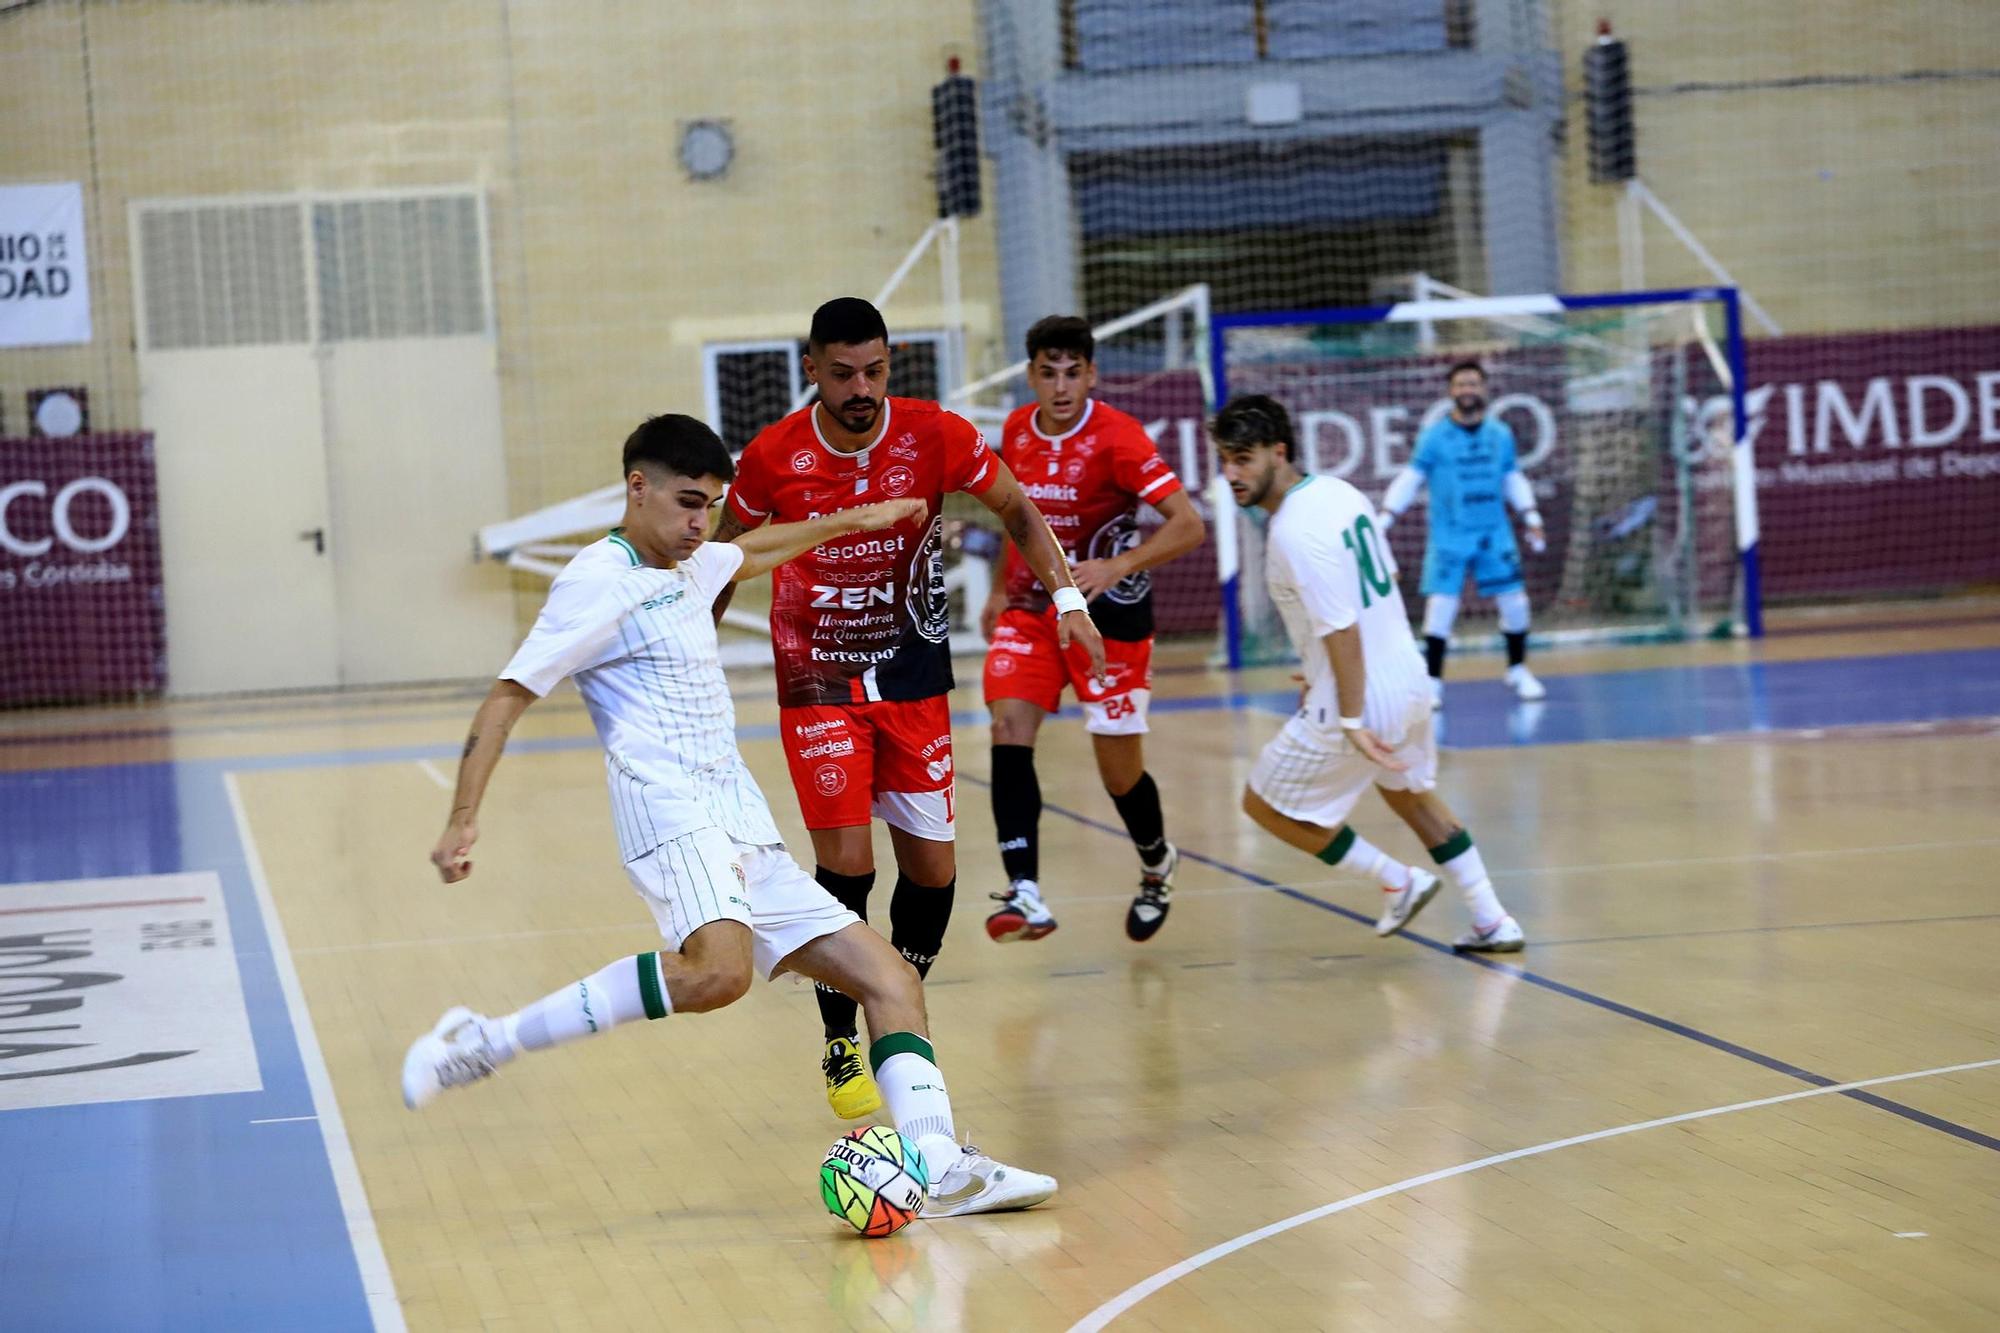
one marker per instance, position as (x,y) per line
(848,320)
(1472,366)
(1062,333)
(1252,419)
(679,445)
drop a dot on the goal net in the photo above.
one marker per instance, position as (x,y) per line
(1625,410)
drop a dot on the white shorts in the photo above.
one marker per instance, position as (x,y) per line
(1312,773)
(707,876)
(923,814)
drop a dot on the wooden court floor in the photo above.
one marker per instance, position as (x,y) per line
(1263,1118)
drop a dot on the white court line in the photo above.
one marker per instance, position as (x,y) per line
(435,774)
(1132,1295)
(283,1119)
(376,1282)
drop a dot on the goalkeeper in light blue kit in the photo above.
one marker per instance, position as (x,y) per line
(1468,459)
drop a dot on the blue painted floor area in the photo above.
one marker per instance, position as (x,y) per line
(181,1213)
(1678,702)
(174,1213)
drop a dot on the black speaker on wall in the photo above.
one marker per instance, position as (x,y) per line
(1607,108)
(955,133)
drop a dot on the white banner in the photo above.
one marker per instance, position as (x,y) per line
(44,276)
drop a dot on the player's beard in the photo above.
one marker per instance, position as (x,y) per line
(1253,495)
(859,414)
(1470,405)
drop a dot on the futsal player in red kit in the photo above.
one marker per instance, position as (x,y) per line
(860,630)
(1088,467)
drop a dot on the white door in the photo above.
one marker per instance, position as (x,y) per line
(321,377)
(243,518)
(413,447)
(229,386)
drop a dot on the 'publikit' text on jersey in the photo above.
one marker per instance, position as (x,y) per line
(1088,483)
(1466,469)
(862,617)
(1328,567)
(641,643)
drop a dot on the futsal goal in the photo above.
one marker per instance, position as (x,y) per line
(1629,415)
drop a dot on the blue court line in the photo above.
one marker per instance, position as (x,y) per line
(1770,1062)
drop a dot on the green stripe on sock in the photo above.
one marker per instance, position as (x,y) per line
(1458,844)
(899,1043)
(1333,851)
(650,993)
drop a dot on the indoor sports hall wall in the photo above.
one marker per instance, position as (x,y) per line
(1837,157)
(611,267)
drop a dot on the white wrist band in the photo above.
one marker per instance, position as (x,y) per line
(1533,518)
(1068,599)
(1351,724)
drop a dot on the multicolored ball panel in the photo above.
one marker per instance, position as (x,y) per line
(874,1180)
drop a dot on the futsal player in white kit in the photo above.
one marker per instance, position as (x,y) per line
(629,619)
(1365,716)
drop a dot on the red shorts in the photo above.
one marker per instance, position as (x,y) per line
(1026,662)
(890,760)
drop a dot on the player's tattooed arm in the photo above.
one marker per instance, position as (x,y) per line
(1044,554)
(484,743)
(1028,529)
(773,544)
(727,528)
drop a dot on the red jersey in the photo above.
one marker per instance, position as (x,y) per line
(1088,483)
(863,616)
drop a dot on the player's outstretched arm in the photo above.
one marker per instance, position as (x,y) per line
(727,529)
(496,717)
(1181,533)
(1044,554)
(1402,493)
(1350,688)
(1521,495)
(773,544)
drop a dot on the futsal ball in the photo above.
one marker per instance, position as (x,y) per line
(874,1180)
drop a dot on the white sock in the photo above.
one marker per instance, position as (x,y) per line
(913,1089)
(629,989)
(1350,851)
(1459,859)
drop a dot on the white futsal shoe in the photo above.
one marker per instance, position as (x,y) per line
(1021,915)
(1437,693)
(450,1055)
(1505,937)
(978,1184)
(1526,688)
(1401,908)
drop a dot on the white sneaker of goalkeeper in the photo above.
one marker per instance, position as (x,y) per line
(1526,688)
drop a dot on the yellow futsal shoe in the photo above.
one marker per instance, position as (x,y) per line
(850,1090)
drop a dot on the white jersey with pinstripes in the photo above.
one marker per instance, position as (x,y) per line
(641,644)
(1328,566)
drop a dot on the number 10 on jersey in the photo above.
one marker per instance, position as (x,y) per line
(1370,560)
